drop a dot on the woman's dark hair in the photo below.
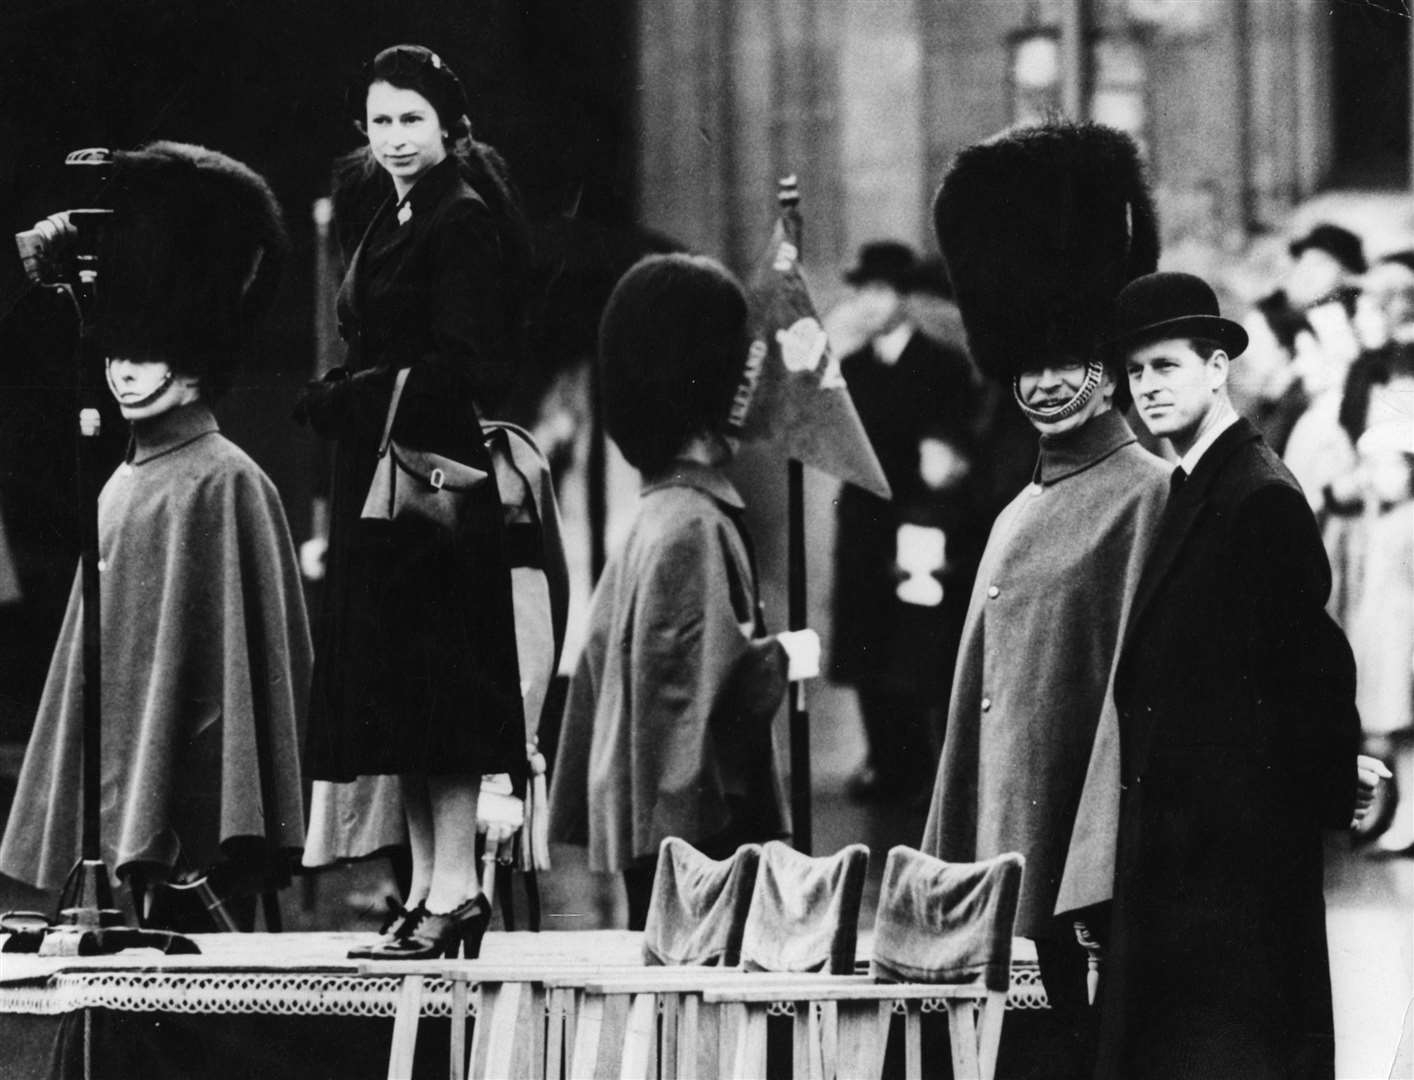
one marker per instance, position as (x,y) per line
(416,68)
(1368,370)
(413,67)
(672,347)
(1285,321)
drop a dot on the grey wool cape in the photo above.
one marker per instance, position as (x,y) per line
(668,727)
(1030,761)
(206,665)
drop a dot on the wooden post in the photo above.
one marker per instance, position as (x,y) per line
(1075,59)
(789,196)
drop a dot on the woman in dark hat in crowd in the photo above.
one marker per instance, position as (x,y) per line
(206,653)
(415,669)
(668,725)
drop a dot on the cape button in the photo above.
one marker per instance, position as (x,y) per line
(993,592)
(986,704)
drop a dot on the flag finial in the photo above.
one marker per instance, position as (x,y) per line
(788,192)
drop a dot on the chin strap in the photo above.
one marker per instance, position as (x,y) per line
(147,400)
(1094,373)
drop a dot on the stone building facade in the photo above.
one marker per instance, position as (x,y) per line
(1247,109)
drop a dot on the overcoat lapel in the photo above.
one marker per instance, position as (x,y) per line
(351,297)
(1184,510)
(393,242)
(1180,514)
(420,202)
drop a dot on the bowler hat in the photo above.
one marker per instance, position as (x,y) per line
(930,277)
(1403,258)
(1171,305)
(1341,244)
(888,261)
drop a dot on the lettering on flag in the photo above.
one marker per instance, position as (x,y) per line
(746,389)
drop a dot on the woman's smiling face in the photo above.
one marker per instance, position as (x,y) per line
(404,133)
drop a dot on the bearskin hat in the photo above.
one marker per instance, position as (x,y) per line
(191,256)
(1041,227)
(672,347)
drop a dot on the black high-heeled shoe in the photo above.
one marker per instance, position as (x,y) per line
(451,934)
(397,926)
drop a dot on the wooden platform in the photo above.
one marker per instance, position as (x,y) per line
(284,1004)
(321,960)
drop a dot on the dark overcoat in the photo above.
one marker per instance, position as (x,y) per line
(415,660)
(1238,732)
(668,727)
(929,391)
(1031,758)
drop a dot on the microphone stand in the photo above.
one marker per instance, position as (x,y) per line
(89,924)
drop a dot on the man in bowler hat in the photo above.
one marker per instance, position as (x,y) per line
(1238,726)
(1326,265)
(903,568)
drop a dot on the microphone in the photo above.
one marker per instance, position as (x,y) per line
(43,247)
(42,253)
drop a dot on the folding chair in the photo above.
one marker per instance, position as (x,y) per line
(540,595)
(801,929)
(697,913)
(942,940)
(805,910)
(696,920)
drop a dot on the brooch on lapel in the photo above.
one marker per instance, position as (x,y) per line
(404,213)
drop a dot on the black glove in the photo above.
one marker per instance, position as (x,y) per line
(319,403)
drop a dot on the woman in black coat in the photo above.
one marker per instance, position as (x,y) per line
(415,671)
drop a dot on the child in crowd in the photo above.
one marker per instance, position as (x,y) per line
(668,727)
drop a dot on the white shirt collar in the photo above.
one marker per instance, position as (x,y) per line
(1225,417)
(889,347)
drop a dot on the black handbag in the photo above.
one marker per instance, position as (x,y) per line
(417,484)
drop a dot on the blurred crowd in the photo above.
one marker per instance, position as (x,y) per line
(1328,379)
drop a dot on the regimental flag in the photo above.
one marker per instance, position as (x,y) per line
(792,392)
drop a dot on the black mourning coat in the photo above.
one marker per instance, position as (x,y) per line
(928,392)
(1236,696)
(415,661)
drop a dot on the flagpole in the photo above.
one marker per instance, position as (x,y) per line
(789,195)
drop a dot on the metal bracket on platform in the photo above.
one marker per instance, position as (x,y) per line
(66,940)
(91,926)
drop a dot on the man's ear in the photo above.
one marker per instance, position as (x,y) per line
(1109,380)
(1217,366)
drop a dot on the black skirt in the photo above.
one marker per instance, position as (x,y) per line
(415,659)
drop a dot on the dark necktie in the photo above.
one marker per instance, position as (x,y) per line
(1176,481)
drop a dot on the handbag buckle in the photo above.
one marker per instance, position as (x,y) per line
(438,479)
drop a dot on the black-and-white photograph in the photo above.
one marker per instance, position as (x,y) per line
(707,538)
